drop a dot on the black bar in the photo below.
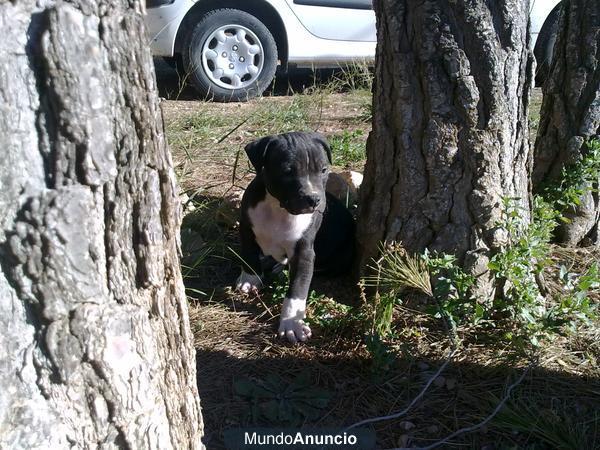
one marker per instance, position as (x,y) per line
(157,3)
(349,4)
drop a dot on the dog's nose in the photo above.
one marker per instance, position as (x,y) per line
(312,200)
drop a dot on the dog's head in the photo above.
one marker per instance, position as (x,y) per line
(294,167)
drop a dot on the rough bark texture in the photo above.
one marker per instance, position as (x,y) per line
(450,132)
(571,111)
(96,345)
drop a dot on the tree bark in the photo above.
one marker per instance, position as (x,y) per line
(96,346)
(450,130)
(570,112)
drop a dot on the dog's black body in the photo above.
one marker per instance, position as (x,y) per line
(287,215)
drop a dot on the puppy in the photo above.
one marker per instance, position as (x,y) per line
(286,215)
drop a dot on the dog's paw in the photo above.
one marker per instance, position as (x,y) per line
(291,324)
(294,330)
(248,282)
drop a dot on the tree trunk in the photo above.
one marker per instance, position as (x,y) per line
(571,112)
(450,130)
(96,346)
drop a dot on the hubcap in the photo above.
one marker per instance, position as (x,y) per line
(232,57)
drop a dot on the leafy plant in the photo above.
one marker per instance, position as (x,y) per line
(382,356)
(576,303)
(452,290)
(519,261)
(575,179)
(278,401)
(527,252)
(330,315)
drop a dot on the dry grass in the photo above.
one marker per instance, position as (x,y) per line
(555,407)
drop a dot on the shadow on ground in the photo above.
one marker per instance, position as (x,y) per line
(248,380)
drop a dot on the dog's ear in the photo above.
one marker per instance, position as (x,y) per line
(322,141)
(257,151)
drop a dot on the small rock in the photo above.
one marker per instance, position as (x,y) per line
(339,188)
(450,383)
(187,205)
(354,178)
(406,425)
(433,429)
(439,381)
(344,185)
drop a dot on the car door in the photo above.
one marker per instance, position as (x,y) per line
(342,20)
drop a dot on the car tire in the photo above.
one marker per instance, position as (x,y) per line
(544,45)
(230,56)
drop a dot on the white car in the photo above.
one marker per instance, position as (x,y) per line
(230,49)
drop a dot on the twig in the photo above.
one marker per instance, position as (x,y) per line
(233,130)
(480,424)
(235,166)
(412,403)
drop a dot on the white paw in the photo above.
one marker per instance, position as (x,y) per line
(247,282)
(291,324)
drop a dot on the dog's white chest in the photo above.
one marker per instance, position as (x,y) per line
(276,230)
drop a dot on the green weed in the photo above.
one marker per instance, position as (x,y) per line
(278,285)
(278,401)
(577,178)
(518,264)
(330,315)
(575,305)
(527,253)
(382,356)
(452,290)
(347,147)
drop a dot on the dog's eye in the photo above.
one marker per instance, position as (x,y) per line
(288,170)
(324,170)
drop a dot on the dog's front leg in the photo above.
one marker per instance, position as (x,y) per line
(293,311)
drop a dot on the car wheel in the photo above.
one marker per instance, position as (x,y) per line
(230,56)
(544,45)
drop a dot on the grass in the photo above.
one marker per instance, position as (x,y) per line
(348,148)
(353,368)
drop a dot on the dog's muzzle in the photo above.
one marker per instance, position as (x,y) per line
(305,204)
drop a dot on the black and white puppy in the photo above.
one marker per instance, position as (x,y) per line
(286,215)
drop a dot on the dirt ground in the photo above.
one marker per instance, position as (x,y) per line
(247,377)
